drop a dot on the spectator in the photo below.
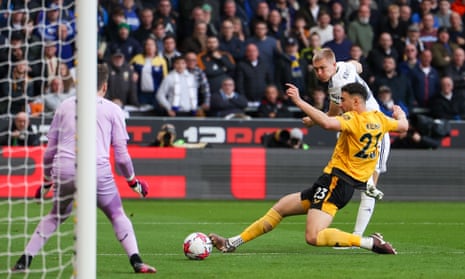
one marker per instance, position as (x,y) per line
(275,28)
(267,45)
(291,68)
(386,101)
(62,32)
(323,27)
(272,106)
(169,51)
(21,132)
(337,14)
(456,70)
(203,87)
(309,11)
(239,31)
(383,49)
(447,104)
(166,15)
(151,69)
(393,25)
(231,10)
(261,14)
(319,99)
(340,44)
(300,32)
(216,64)
(360,31)
(145,27)
(54,96)
(229,42)
(354,9)
(253,75)
(428,33)
(131,14)
(68,78)
(122,81)
(226,102)
(444,13)
(197,42)
(287,12)
(426,7)
(116,18)
(314,44)
(127,44)
(410,60)
(159,34)
(212,25)
(442,51)
(17,21)
(17,91)
(413,38)
(425,80)
(405,14)
(356,54)
(178,91)
(456,30)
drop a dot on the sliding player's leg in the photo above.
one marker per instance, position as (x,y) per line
(287,206)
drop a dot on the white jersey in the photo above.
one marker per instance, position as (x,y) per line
(346,73)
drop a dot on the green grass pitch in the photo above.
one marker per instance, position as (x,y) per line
(429,237)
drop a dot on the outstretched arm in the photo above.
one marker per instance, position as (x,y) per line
(400,116)
(320,118)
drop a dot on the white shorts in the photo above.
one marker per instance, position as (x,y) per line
(384,149)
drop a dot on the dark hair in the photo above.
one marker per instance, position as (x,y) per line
(102,75)
(356,88)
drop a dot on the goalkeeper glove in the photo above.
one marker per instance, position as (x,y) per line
(139,186)
(373,192)
(42,190)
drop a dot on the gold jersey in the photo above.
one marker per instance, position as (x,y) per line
(357,148)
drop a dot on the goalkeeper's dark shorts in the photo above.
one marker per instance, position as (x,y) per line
(329,193)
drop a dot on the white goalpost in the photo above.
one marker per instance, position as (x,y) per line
(86,228)
(72,250)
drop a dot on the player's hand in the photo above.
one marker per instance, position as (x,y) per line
(293,92)
(139,186)
(397,112)
(373,192)
(43,189)
(307,121)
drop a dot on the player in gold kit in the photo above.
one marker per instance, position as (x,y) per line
(351,165)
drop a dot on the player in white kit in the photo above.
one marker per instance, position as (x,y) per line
(338,74)
(60,171)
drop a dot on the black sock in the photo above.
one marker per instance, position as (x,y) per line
(25,260)
(135,259)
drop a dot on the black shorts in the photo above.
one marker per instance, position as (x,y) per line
(329,193)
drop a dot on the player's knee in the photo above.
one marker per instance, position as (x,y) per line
(311,238)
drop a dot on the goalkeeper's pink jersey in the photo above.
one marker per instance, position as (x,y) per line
(111,131)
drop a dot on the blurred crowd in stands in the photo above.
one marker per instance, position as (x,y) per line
(232,58)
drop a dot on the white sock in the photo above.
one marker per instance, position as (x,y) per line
(365,211)
(236,241)
(366,242)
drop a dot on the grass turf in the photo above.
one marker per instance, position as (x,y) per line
(429,237)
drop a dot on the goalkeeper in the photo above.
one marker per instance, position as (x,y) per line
(60,153)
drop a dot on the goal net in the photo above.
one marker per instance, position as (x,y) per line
(39,69)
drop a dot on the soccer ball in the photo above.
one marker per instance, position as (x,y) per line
(197,246)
